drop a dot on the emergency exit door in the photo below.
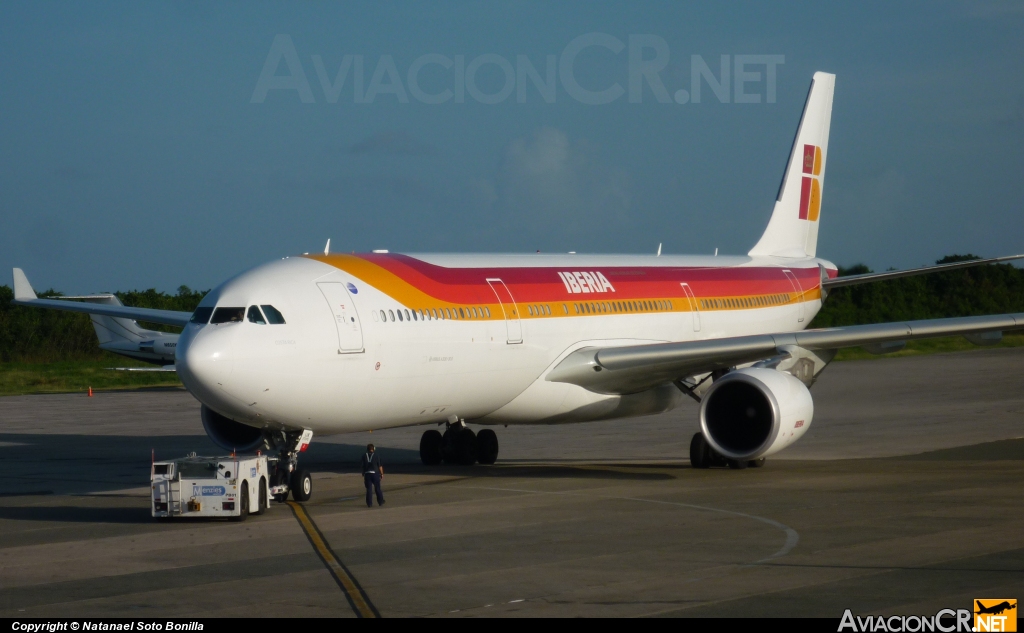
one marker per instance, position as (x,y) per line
(798,289)
(346,320)
(694,308)
(513,325)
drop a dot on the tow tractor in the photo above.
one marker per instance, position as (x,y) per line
(231,486)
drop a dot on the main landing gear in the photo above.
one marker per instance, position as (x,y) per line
(703,456)
(286,476)
(459,445)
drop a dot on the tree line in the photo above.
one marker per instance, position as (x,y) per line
(35,335)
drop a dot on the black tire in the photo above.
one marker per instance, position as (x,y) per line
(243,504)
(430,447)
(756,463)
(262,505)
(487,446)
(738,464)
(700,452)
(302,485)
(465,447)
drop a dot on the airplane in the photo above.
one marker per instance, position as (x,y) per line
(128,338)
(995,609)
(335,343)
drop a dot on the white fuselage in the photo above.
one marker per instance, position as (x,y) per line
(353,365)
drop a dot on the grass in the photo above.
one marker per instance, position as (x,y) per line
(77,376)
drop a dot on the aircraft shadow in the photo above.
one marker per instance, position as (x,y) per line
(76,514)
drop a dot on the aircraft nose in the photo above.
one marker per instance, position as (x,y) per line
(203,361)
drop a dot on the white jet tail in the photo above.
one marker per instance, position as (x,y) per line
(113,329)
(793,228)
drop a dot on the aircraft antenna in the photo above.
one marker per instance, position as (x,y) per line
(659,250)
(327,249)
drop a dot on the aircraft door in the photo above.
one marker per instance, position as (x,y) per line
(350,334)
(694,307)
(798,289)
(513,325)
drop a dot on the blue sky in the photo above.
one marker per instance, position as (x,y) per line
(134,156)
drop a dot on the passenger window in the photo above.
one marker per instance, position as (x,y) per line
(255,316)
(227,315)
(462,314)
(448,312)
(400,315)
(391,313)
(383,317)
(201,316)
(408,317)
(415,317)
(274,316)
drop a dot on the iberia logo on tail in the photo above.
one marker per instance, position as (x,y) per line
(810,186)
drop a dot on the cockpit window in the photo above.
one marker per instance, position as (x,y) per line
(201,316)
(227,315)
(255,316)
(274,316)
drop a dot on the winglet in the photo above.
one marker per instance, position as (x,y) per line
(22,289)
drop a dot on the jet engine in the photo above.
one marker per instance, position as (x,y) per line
(755,412)
(228,434)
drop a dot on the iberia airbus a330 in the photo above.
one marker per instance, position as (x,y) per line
(336,343)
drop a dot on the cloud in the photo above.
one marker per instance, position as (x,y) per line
(553,184)
(395,143)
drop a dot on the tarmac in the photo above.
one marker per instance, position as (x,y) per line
(904,497)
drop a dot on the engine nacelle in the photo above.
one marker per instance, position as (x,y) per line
(755,412)
(228,434)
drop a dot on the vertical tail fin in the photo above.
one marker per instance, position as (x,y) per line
(793,228)
(113,329)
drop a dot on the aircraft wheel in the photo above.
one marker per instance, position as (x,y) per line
(737,464)
(464,444)
(700,452)
(302,485)
(487,446)
(756,463)
(430,447)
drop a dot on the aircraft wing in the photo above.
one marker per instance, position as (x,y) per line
(634,368)
(24,295)
(853,280)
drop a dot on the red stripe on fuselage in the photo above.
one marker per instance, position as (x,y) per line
(529,284)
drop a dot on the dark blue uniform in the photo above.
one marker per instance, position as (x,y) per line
(371,478)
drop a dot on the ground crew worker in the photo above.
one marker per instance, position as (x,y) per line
(373,472)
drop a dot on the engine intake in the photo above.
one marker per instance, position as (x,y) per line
(755,412)
(228,434)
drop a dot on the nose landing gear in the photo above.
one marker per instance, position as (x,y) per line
(458,445)
(287,476)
